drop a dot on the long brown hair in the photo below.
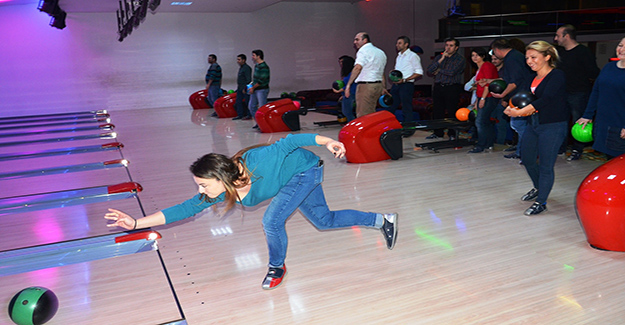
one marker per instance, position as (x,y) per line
(232,172)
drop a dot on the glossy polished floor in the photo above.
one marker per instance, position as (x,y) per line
(465,254)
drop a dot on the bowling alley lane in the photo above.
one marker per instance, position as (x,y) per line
(132,288)
(21,230)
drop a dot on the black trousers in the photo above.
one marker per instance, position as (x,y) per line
(445,98)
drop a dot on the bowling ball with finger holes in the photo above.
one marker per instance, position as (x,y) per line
(497,86)
(522,99)
(338,84)
(582,135)
(33,306)
(395,75)
(385,100)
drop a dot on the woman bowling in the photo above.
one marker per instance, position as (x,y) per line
(547,125)
(285,173)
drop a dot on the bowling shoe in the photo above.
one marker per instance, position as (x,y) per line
(532,194)
(274,277)
(389,229)
(536,208)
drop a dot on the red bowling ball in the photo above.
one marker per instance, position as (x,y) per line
(600,205)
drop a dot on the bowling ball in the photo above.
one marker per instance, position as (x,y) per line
(522,99)
(497,86)
(385,100)
(292,94)
(582,135)
(231,91)
(338,84)
(284,95)
(297,104)
(473,115)
(33,305)
(395,76)
(462,114)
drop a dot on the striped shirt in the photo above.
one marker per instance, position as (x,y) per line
(450,71)
(261,75)
(214,74)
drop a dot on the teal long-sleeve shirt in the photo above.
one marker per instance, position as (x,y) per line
(272,167)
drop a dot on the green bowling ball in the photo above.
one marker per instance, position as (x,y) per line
(582,135)
(33,306)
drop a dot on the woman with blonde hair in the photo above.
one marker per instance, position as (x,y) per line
(547,125)
(285,173)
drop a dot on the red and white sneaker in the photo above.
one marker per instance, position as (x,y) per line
(274,277)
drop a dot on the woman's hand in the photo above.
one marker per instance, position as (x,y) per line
(622,133)
(121,219)
(480,103)
(336,148)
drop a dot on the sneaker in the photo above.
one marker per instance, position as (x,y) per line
(575,155)
(536,208)
(237,118)
(246,118)
(214,114)
(532,194)
(512,148)
(255,126)
(274,277)
(389,229)
(512,156)
(432,136)
(476,150)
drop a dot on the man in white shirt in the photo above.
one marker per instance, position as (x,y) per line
(368,73)
(409,64)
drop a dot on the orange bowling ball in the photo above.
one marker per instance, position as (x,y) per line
(462,114)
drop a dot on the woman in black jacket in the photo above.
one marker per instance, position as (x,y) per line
(547,125)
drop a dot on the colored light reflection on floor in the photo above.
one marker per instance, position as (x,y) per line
(568,267)
(570,301)
(434,240)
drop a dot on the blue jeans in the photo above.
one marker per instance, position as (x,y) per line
(304,191)
(240,104)
(402,94)
(576,103)
(503,125)
(347,107)
(213,94)
(518,124)
(485,128)
(540,151)
(257,99)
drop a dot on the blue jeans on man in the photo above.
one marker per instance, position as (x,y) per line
(213,94)
(485,127)
(347,108)
(576,103)
(257,99)
(540,151)
(304,192)
(402,94)
(241,102)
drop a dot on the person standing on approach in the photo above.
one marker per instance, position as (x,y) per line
(580,67)
(213,79)
(244,77)
(448,71)
(260,83)
(409,64)
(368,72)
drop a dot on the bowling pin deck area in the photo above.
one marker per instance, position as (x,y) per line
(465,252)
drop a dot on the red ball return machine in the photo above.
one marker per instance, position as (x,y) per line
(198,99)
(224,106)
(373,137)
(279,116)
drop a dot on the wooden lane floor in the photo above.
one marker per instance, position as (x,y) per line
(109,291)
(465,253)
